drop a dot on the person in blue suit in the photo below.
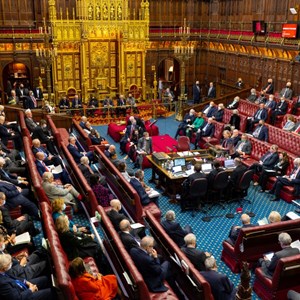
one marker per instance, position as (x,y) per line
(210,109)
(187,120)
(18,288)
(73,149)
(271,103)
(260,114)
(207,129)
(261,132)
(221,287)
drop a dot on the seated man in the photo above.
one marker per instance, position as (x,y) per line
(42,168)
(114,214)
(144,147)
(16,196)
(138,122)
(261,132)
(8,134)
(219,113)
(281,109)
(137,185)
(243,147)
(173,228)
(76,102)
(121,109)
(209,109)
(73,149)
(53,191)
(153,271)
(235,136)
(30,123)
(197,123)
(269,87)
(252,97)
(235,177)
(92,105)
(64,104)
(187,120)
(196,256)
(12,178)
(127,236)
(83,121)
(222,288)
(287,92)
(111,154)
(206,130)
(271,103)
(291,180)
(269,266)
(213,173)
(235,103)
(130,101)
(235,230)
(260,114)
(108,105)
(85,168)
(18,288)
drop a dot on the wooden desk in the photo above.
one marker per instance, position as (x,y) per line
(170,183)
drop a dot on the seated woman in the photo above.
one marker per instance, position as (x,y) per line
(77,244)
(279,169)
(290,123)
(95,137)
(198,122)
(122,168)
(227,143)
(235,120)
(58,208)
(89,286)
(102,193)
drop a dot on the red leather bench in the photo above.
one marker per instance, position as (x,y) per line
(123,190)
(253,242)
(286,277)
(125,267)
(114,130)
(193,285)
(227,115)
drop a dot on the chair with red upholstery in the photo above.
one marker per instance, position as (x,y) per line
(183,143)
(286,277)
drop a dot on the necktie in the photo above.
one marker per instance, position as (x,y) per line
(258,115)
(241,146)
(33,100)
(257,131)
(297,129)
(5,174)
(267,156)
(205,128)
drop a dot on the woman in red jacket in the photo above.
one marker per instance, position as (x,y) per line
(92,287)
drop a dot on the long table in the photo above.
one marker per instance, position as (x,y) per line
(166,180)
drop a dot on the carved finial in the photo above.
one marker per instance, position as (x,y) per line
(244,291)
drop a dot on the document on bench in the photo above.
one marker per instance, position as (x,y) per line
(296,244)
(153,193)
(23,238)
(269,255)
(57,170)
(263,221)
(136,225)
(293,216)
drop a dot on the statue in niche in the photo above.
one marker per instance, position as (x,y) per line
(119,12)
(90,12)
(105,11)
(98,12)
(112,12)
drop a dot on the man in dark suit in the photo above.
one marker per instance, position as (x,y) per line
(209,109)
(121,103)
(144,147)
(271,103)
(127,236)
(211,91)
(196,256)
(236,176)
(76,102)
(137,185)
(15,197)
(235,103)
(38,93)
(219,113)
(213,173)
(64,103)
(235,137)
(281,109)
(92,105)
(260,114)
(243,147)
(261,132)
(235,230)
(30,123)
(269,266)
(173,228)
(187,120)
(196,93)
(18,288)
(49,158)
(85,168)
(114,214)
(267,161)
(252,97)
(22,94)
(8,134)
(269,87)
(153,271)
(221,287)
(12,178)
(292,180)
(73,149)
(206,130)
(139,124)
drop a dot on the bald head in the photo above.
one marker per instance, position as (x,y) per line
(245,219)
(125,225)
(116,204)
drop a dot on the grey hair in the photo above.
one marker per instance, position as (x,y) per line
(190,239)
(5,260)
(284,239)
(146,241)
(210,263)
(47,176)
(170,215)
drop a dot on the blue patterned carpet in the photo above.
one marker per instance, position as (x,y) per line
(211,234)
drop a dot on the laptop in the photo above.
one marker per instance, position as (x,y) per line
(179,162)
(206,168)
(229,164)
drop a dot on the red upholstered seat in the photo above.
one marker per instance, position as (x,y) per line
(286,277)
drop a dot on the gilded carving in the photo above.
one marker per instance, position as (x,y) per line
(99,54)
(68,67)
